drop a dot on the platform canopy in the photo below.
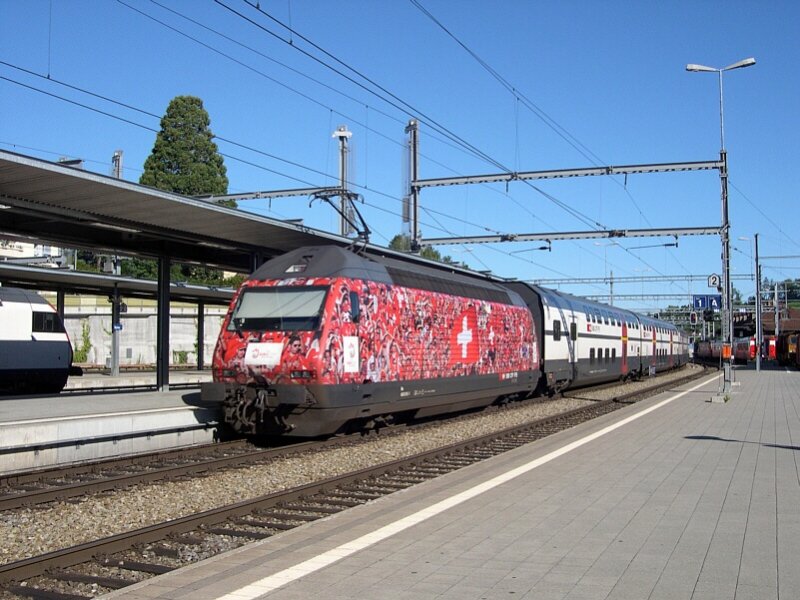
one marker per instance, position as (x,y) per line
(42,201)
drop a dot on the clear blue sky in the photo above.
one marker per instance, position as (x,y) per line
(607,76)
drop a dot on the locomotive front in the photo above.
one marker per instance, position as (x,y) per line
(267,362)
(322,340)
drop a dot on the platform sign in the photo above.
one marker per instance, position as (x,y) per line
(699,301)
(703,301)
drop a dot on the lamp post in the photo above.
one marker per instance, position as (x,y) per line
(727,313)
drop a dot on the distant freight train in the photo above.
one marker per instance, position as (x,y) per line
(35,352)
(323,340)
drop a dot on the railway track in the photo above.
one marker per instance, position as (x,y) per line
(120,560)
(61,483)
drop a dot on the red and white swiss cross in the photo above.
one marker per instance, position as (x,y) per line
(464,338)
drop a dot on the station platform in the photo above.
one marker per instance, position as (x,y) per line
(102,379)
(673,497)
(48,431)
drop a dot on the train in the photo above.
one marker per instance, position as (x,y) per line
(786,348)
(325,340)
(744,350)
(712,351)
(782,349)
(35,351)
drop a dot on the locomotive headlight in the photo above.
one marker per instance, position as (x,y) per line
(220,373)
(302,374)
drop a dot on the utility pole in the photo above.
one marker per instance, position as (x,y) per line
(611,286)
(759,335)
(115,299)
(777,311)
(345,228)
(116,161)
(411,201)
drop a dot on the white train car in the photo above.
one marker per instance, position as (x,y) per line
(584,342)
(35,352)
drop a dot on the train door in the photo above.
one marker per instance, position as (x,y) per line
(654,357)
(670,355)
(624,366)
(570,337)
(561,360)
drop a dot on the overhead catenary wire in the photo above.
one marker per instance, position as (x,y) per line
(569,210)
(519,96)
(393,99)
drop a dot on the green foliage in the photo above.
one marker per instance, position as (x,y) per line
(140,268)
(180,357)
(184,159)
(87,267)
(402,243)
(81,353)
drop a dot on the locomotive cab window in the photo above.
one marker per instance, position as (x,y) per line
(279,309)
(46,322)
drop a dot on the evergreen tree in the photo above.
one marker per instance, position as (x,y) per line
(184,159)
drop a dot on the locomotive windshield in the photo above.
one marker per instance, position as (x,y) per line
(279,309)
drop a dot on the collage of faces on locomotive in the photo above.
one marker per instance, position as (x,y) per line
(303,331)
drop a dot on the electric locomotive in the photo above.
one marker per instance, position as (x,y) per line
(322,340)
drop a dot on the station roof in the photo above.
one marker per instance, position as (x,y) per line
(47,202)
(75,282)
(67,206)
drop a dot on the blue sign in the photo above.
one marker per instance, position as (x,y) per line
(117,326)
(703,301)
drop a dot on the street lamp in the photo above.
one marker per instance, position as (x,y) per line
(747,62)
(727,313)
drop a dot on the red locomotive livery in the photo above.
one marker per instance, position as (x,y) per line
(744,350)
(401,334)
(332,346)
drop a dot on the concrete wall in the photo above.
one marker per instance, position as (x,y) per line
(137,341)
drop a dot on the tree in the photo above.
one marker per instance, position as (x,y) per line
(184,159)
(402,243)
